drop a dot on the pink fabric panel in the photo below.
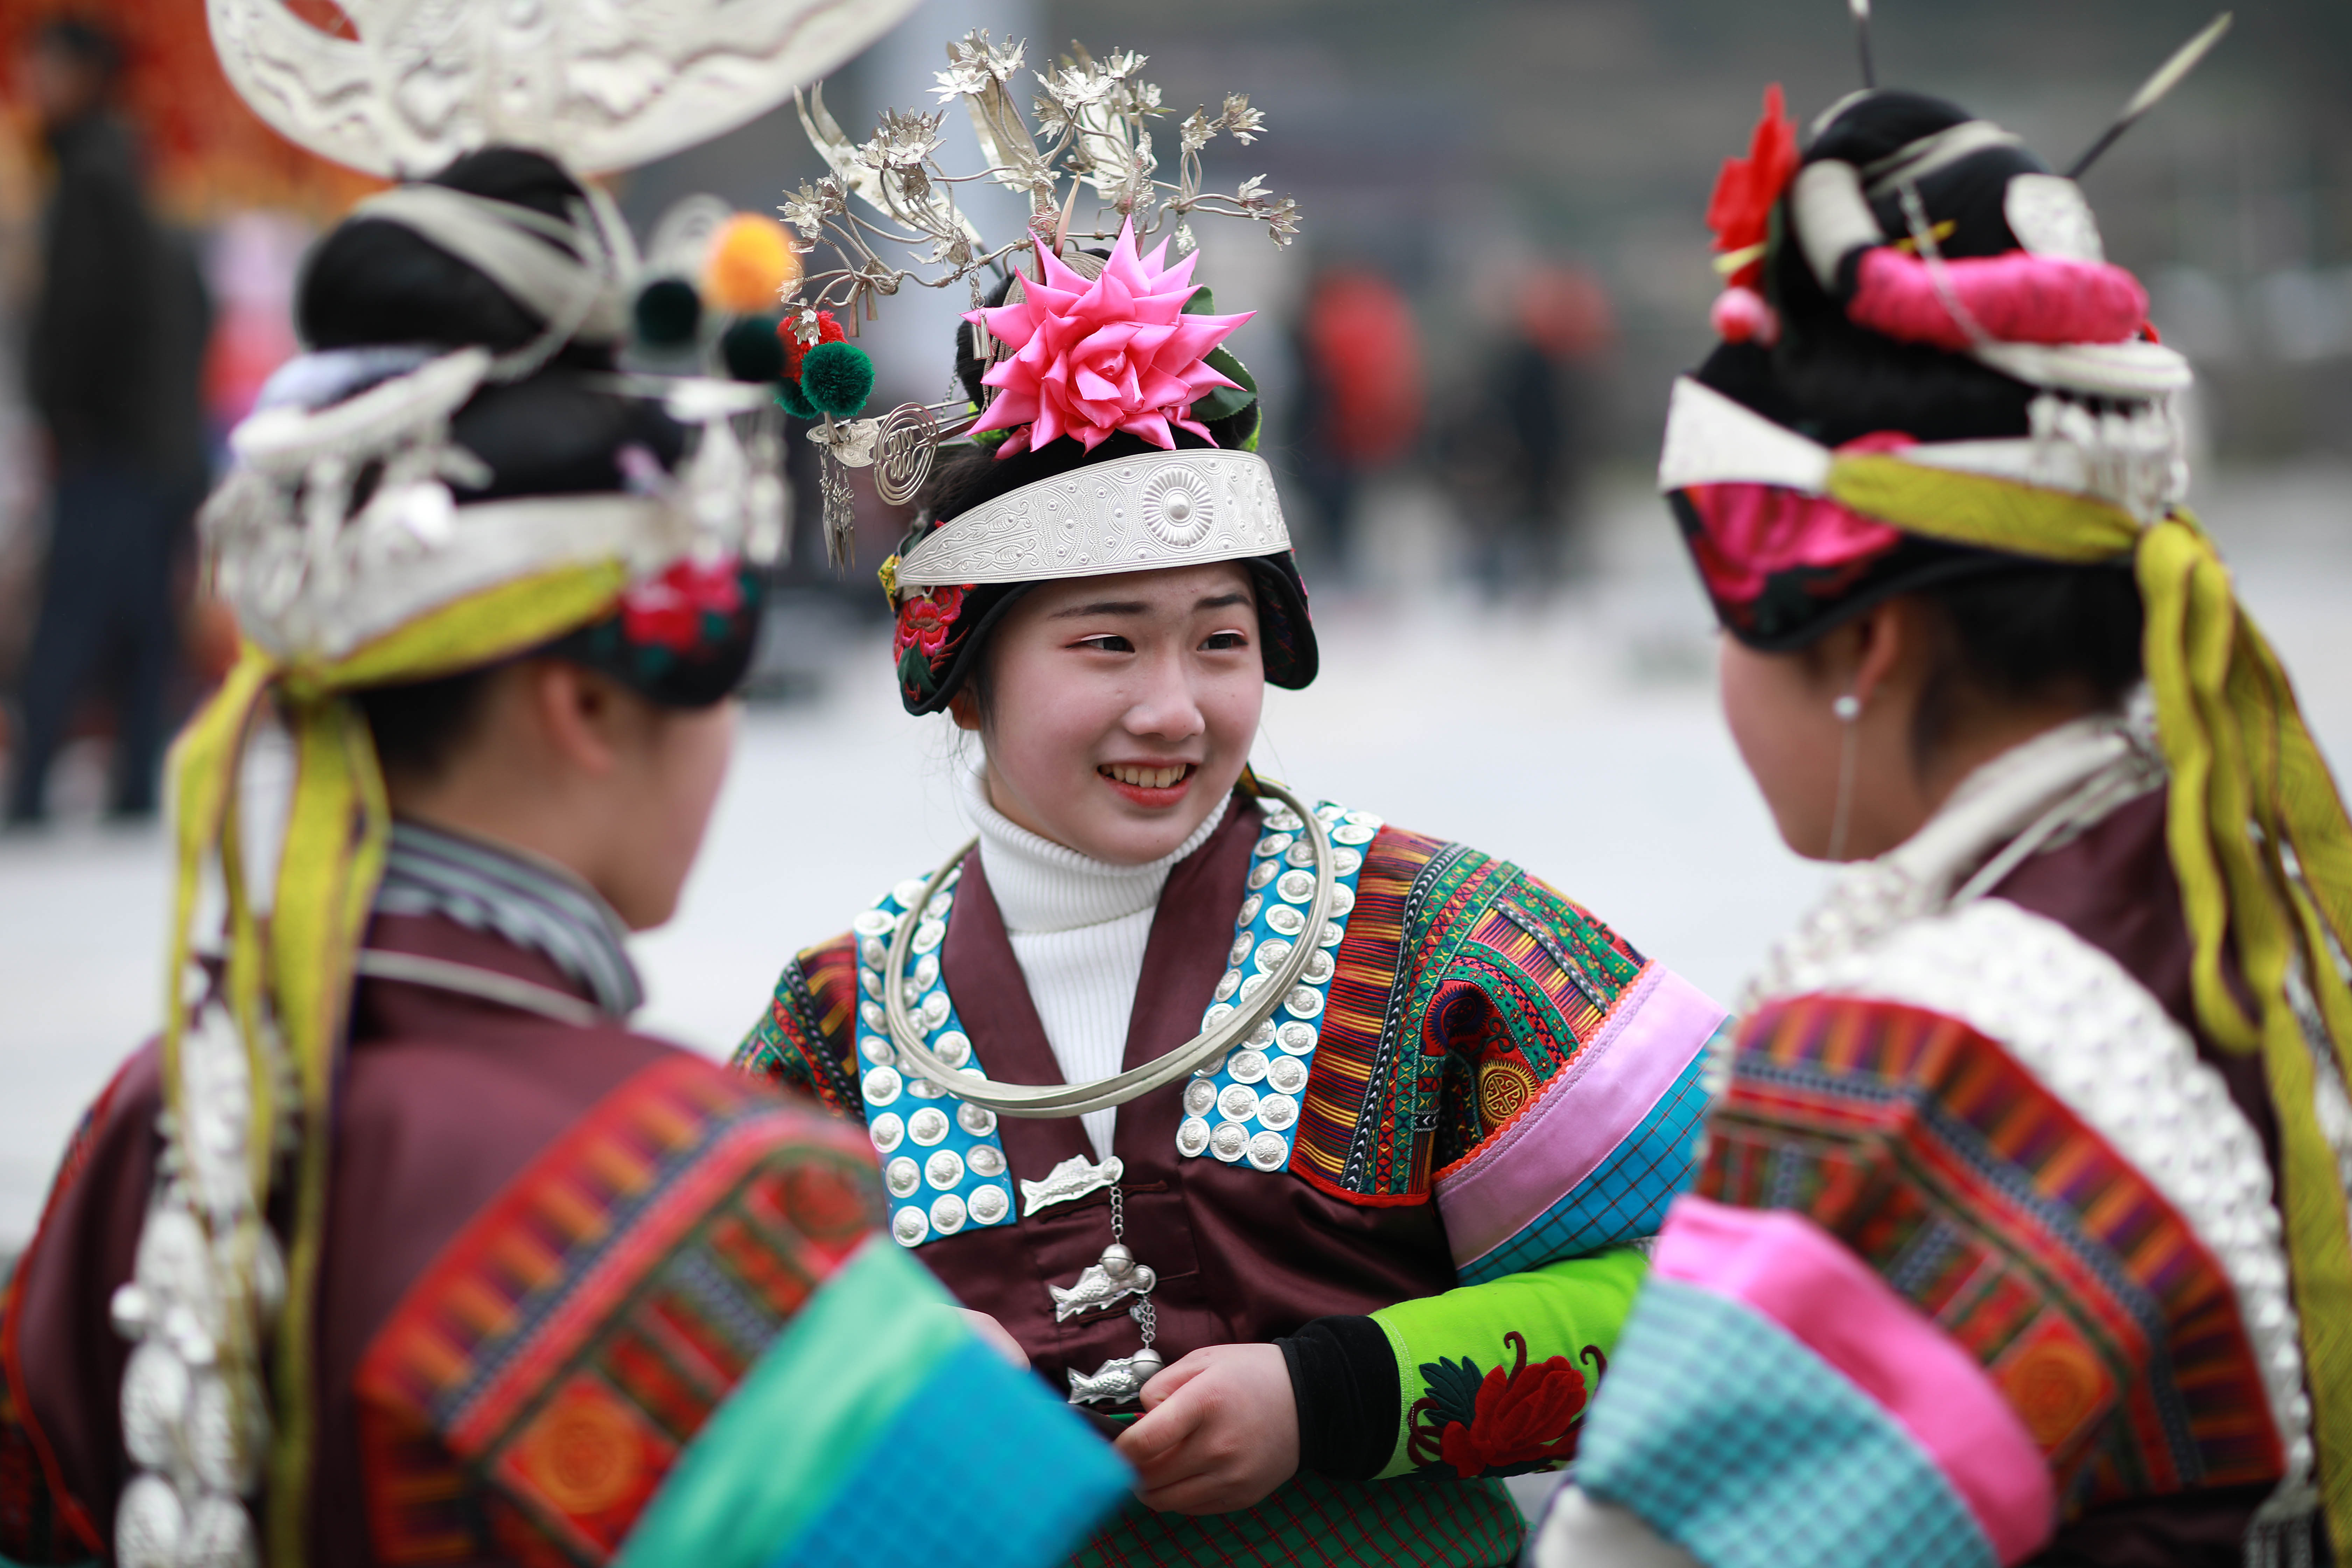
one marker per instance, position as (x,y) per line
(1660,1023)
(2020,298)
(1791,1272)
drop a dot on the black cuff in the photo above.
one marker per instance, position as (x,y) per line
(1344,1377)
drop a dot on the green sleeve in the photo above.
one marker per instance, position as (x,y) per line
(1494,1379)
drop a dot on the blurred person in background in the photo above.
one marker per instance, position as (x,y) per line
(1515,453)
(1360,397)
(113,370)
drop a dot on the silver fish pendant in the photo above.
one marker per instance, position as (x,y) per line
(1117,1380)
(1115,1278)
(1072,1178)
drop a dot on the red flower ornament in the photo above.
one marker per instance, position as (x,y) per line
(925,621)
(1527,1418)
(1740,211)
(667,611)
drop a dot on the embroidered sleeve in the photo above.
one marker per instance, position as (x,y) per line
(1919,1311)
(680,1338)
(40,1523)
(803,1041)
(1493,1379)
(1564,1079)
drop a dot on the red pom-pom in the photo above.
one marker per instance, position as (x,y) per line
(1742,315)
(828,331)
(1740,211)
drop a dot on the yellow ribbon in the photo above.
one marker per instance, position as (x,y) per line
(294,978)
(2258,839)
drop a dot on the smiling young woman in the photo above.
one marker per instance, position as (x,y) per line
(1332,1143)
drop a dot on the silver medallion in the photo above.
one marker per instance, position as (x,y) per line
(944,1169)
(1282,819)
(870,981)
(935,1009)
(151,1527)
(1334,933)
(1343,899)
(872,953)
(1217,1014)
(873,923)
(902,1177)
(947,1213)
(927,1126)
(911,1226)
(1286,920)
(881,1085)
(1353,834)
(1271,952)
(930,934)
(1237,1103)
(1229,1142)
(985,1160)
(988,1204)
(1347,862)
(871,1011)
(1286,1075)
(1072,1178)
(1296,887)
(1320,968)
(907,892)
(1227,984)
(1301,854)
(1117,1380)
(1272,843)
(1192,1138)
(1262,1036)
(876,1049)
(953,1047)
(1262,873)
(1199,1095)
(976,1119)
(924,1088)
(1277,1111)
(1247,1066)
(1304,1001)
(1241,950)
(926,973)
(1269,1151)
(156,1389)
(220,1535)
(1250,907)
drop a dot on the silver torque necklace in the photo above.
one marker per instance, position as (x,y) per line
(1052,1100)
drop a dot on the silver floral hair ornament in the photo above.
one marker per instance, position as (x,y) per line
(342,541)
(1095,123)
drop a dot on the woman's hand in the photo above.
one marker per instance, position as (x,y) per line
(1220,1430)
(996,1336)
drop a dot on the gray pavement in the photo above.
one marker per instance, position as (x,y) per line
(1579,738)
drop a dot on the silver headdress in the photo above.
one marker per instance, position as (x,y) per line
(1093,131)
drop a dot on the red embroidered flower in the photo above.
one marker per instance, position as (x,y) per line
(1526,1417)
(925,621)
(667,611)
(1740,211)
(828,331)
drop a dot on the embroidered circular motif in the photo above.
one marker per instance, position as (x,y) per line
(2053,1385)
(1504,1086)
(1176,507)
(584,1452)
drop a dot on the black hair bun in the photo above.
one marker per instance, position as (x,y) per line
(372,281)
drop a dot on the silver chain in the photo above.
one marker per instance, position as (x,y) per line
(1145,1317)
(1117,1215)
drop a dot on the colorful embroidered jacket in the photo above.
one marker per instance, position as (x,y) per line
(1983,1262)
(585,1298)
(1424,1176)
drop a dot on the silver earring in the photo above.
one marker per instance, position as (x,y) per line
(1847,708)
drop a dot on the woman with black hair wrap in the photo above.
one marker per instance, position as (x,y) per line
(2020,1230)
(1333,1142)
(400,1246)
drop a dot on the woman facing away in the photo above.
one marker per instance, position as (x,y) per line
(401,1246)
(2019,1232)
(1310,1152)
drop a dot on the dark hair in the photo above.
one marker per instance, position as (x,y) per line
(375,281)
(86,42)
(2032,634)
(420,725)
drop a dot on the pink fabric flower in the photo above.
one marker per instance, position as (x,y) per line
(667,611)
(1117,353)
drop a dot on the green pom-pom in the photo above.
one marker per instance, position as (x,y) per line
(788,399)
(668,311)
(752,351)
(838,378)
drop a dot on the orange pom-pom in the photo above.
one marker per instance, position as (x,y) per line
(750,262)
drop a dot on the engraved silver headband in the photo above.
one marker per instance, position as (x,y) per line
(1145,513)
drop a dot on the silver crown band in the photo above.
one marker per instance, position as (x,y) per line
(1148,513)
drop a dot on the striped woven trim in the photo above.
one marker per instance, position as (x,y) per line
(428,871)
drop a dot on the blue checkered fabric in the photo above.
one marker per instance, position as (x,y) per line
(975,1472)
(1725,1434)
(1625,1197)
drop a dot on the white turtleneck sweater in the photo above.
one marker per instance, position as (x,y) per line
(1078,927)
